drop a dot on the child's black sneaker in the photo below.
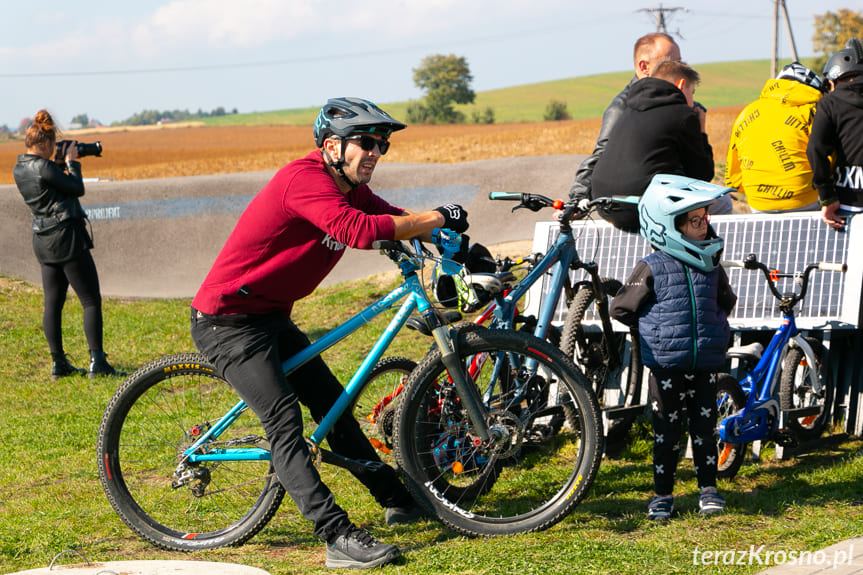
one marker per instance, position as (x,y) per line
(710,502)
(357,549)
(660,508)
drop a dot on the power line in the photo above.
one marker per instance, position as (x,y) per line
(660,16)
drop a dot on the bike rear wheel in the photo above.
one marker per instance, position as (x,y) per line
(532,477)
(154,416)
(797,391)
(729,400)
(375,408)
(614,388)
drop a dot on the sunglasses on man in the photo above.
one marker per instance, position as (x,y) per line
(367,143)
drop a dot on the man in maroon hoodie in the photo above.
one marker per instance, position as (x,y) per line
(285,243)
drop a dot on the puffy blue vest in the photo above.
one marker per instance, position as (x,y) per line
(682,326)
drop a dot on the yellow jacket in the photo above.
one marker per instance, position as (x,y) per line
(767,153)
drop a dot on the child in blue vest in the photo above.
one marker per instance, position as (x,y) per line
(679,298)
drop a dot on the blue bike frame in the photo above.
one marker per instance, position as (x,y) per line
(753,421)
(417,300)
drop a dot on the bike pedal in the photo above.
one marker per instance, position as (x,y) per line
(785,438)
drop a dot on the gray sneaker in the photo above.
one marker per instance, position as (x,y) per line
(357,549)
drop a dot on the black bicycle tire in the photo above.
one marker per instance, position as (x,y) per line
(578,473)
(730,399)
(377,420)
(573,333)
(788,391)
(113,467)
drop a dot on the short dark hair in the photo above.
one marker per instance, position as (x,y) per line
(673,70)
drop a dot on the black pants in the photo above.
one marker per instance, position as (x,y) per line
(81,274)
(676,396)
(248,351)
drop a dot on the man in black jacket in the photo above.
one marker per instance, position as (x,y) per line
(661,131)
(649,50)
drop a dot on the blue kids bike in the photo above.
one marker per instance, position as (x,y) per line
(187,466)
(750,410)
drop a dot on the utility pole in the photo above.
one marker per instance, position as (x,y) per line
(660,16)
(774,61)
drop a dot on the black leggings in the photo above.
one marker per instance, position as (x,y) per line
(81,274)
(675,397)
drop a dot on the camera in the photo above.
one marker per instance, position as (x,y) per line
(94,149)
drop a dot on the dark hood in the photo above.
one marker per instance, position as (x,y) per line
(650,93)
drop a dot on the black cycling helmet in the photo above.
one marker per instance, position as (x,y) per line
(848,60)
(345,116)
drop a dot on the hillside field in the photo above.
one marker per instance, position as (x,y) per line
(266,141)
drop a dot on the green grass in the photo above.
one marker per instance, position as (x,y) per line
(722,84)
(51,499)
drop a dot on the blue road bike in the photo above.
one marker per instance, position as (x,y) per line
(186,465)
(792,364)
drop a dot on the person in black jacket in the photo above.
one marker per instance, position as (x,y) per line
(649,50)
(661,131)
(61,241)
(835,148)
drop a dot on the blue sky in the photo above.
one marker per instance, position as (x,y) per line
(110,59)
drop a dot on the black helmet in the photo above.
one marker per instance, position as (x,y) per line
(848,60)
(345,116)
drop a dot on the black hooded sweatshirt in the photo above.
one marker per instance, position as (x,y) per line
(837,130)
(658,133)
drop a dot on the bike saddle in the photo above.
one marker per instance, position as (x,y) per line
(751,352)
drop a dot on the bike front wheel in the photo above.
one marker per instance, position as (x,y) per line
(729,400)
(155,415)
(530,477)
(807,410)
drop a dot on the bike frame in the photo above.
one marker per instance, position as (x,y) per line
(753,423)
(416,300)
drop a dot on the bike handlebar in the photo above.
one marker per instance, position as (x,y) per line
(535,202)
(751,263)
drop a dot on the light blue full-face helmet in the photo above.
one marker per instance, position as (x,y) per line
(669,196)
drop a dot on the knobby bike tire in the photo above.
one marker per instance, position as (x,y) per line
(729,400)
(375,408)
(620,387)
(527,482)
(152,418)
(796,391)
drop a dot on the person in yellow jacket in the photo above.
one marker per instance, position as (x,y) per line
(767,153)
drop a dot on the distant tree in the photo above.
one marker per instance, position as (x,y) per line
(556,110)
(446,81)
(23,125)
(832,30)
(81,120)
(417,113)
(485,116)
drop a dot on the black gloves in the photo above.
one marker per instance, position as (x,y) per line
(455,217)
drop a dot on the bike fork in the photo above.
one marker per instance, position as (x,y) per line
(468,393)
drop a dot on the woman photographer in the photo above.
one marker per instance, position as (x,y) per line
(61,240)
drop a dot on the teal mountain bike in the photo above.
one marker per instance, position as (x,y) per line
(186,465)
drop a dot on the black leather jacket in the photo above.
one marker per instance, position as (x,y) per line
(581,187)
(59,221)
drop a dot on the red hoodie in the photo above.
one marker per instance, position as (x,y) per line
(289,237)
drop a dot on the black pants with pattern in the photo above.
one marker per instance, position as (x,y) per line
(247,350)
(675,397)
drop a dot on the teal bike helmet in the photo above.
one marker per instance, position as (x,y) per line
(848,60)
(669,196)
(342,117)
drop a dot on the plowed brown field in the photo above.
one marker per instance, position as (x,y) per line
(194,150)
